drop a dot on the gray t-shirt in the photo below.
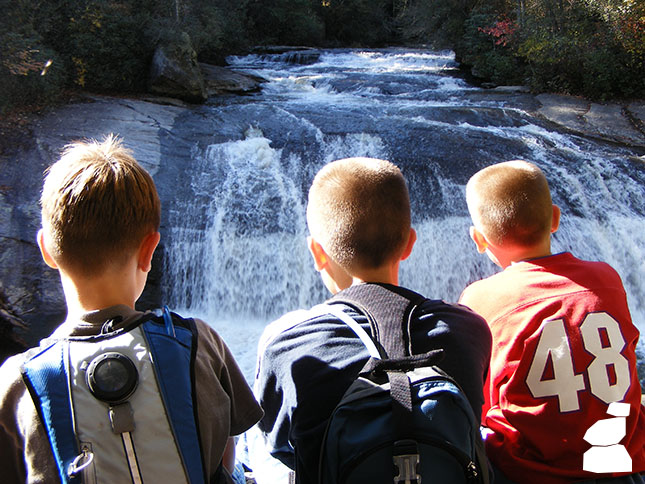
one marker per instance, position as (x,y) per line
(225,403)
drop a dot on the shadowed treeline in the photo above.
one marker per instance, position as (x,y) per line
(592,48)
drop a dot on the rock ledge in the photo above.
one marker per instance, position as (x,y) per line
(622,123)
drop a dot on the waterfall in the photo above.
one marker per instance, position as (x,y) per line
(237,254)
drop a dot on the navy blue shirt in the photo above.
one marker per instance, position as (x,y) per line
(307,361)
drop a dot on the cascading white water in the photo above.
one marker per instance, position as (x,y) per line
(237,254)
(242,260)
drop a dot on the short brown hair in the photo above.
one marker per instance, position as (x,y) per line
(359,211)
(98,204)
(510,203)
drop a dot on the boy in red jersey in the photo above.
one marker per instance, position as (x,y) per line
(563,343)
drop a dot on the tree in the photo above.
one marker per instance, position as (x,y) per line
(357,22)
(287,22)
(30,72)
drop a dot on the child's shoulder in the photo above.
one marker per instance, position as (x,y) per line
(591,274)
(485,285)
(288,322)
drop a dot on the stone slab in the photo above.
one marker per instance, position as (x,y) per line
(607,121)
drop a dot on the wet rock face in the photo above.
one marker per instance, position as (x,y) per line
(32,291)
(11,327)
(27,289)
(621,123)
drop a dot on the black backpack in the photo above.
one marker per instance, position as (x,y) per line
(403,420)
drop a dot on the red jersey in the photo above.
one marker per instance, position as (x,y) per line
(563,350)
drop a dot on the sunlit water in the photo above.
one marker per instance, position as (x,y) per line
(237,255)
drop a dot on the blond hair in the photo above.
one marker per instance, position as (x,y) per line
(359,211)
(97,204)
(510,203)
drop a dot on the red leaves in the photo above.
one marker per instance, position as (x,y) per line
(501,31)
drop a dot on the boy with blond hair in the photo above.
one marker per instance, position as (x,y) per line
(563,342)
(358,215)
(100,221)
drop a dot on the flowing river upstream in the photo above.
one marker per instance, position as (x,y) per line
(235,251)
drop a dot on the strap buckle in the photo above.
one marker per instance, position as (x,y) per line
(406,461)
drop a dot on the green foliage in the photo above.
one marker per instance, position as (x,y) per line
(474,43)
(30,72)
(107,51)
(34,81)
(609,72)
(583,57)
(439,23)
(286,22)
(487,45)
(216,28)
(357,22)
(103,45)
(590,47)
(502,69)
(577,47)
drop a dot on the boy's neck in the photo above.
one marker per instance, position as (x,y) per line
(388,274)
(85,294)
(523,254)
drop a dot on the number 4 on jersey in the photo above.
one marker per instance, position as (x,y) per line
(608,373)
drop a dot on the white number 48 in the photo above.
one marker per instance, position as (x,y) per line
(609,376)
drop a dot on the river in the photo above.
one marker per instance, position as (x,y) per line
(235,252)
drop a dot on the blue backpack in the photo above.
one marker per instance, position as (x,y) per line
(403,420)
(119,406)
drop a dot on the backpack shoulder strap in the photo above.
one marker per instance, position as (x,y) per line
(45,375)
(172,343)
(388,308)
(335,310)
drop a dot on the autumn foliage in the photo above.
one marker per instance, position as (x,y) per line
(591,47)
(501,32)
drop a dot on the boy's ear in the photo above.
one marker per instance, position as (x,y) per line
(49,260)
(147,250)
(410,244)
(321,259)
(479,239)
(555,220)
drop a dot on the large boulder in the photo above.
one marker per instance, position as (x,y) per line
(175,72)
(222,80)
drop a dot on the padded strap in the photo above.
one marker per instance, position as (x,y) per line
(45,375)
(173,349)
(400,391)
(349,321)
(388,308)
